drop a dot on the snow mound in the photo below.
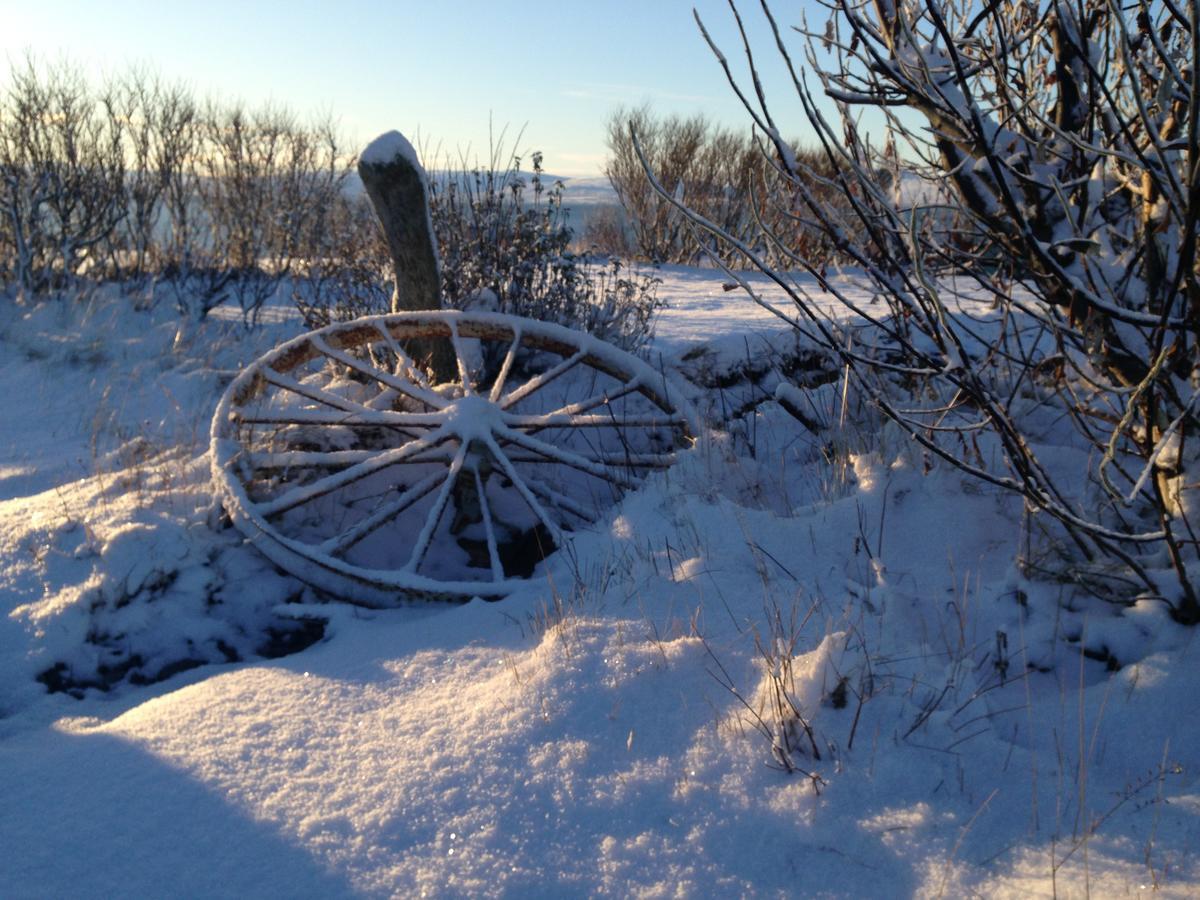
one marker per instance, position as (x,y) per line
(116,577)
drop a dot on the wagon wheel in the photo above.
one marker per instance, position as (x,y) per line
(337,456)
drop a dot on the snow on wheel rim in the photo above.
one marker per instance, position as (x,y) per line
(338,458)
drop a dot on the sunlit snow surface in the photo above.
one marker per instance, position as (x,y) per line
(598,732)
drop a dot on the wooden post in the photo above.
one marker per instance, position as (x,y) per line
(396,183)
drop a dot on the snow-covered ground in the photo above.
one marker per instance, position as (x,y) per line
(623,726)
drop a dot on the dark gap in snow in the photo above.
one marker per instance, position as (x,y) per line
(296,636)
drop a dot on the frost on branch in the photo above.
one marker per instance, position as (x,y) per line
(1061,151)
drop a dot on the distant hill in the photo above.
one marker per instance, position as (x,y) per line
(586,190)
(583,198)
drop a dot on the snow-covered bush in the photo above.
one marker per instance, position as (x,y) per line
(502,230)
(1067,135)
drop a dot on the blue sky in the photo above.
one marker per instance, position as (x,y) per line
(437,71)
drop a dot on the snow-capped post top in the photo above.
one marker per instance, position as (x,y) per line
(387,147)
(395,182)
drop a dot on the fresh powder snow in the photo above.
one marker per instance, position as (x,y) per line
(799,662)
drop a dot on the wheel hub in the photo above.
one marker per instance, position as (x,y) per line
(472,418)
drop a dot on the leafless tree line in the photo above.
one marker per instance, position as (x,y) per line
(203,203)
(718,172)
(1065,135)
(139,181)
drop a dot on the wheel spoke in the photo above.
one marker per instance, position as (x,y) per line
(540,381)
(596,400)
(489,529)
(311,392)
(562,501)
(464,374)
(307,459)
(384,418)
(351,536)
(330,459)
(430,399)
(567,420)
(567,458)
(628,460)
(509,357)
(403,358)
(523,489)
(435,514)
(320,395)
(364,469)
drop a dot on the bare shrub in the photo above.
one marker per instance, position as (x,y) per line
(138,101)
(265,187)
(62,173)
(503,231)
(671,145)
(1068,138)
(723,175)
(608,234)
(174,156)
(351,275)
(134,180)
